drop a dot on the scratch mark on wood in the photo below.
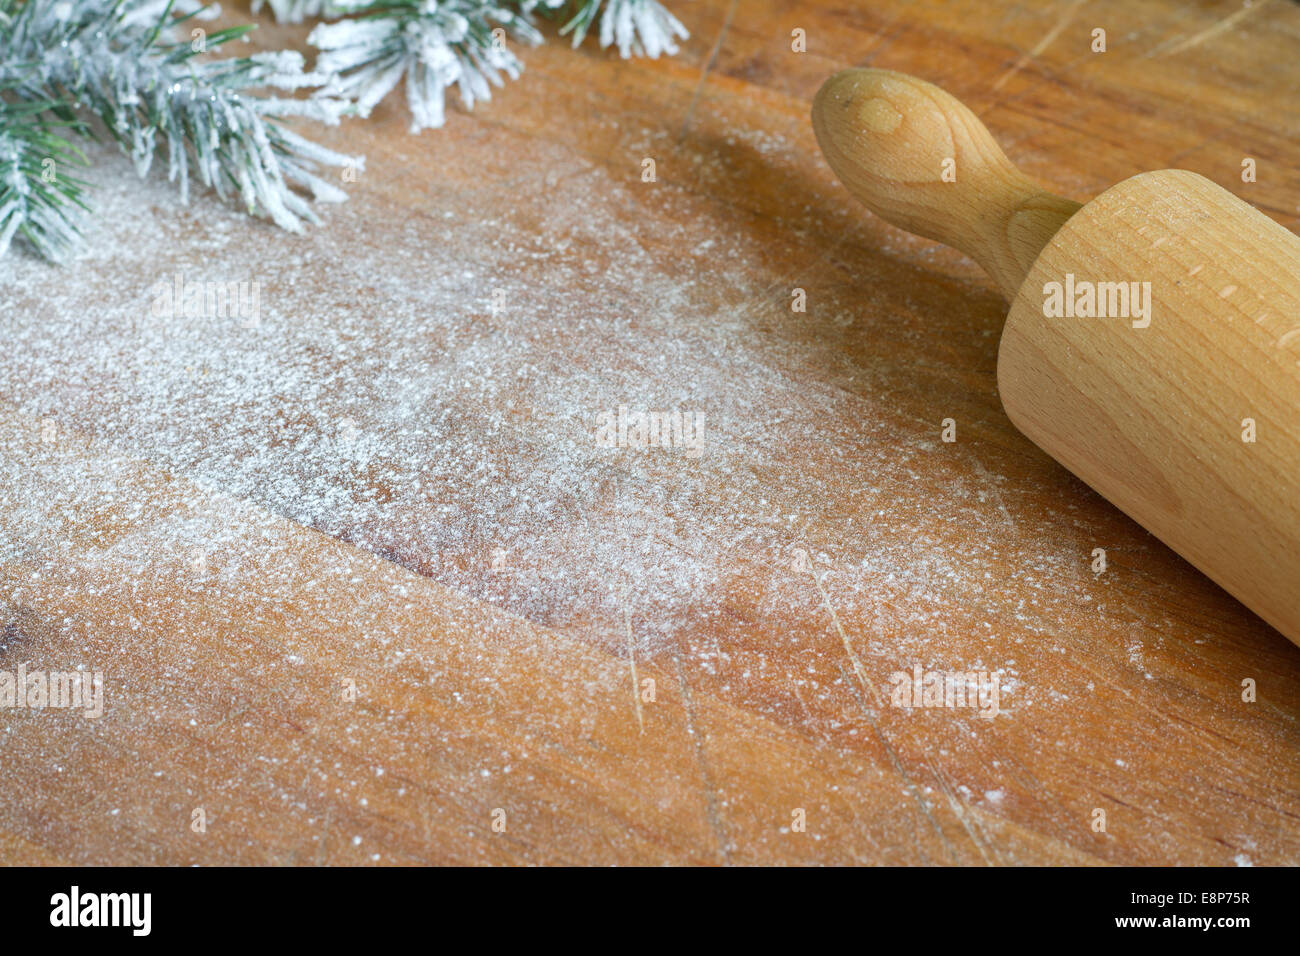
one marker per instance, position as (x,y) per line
(631,659)
(897,764)
(957,807)
(324,836)
(848,646)
(704,73)
(701,759)
(1062,22)
(866,684)
(1209,33)
(991,481)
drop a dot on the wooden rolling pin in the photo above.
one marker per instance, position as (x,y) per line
(1153,342)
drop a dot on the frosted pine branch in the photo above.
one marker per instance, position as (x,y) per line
(437,44)
(39,200)
(129,64)
(637,27)
(433,44)
(124,63)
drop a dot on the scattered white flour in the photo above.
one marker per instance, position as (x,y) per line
(433,398)
(435,401)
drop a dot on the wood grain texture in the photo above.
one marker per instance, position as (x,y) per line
(1164,424)
(892,139)
(837,539)
(1163,413)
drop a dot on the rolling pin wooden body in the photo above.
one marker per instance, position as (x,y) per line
(1153,341)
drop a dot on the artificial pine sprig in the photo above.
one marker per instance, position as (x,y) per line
(434,44)
(124,64)
(637,27)
(39,199)
(438,44)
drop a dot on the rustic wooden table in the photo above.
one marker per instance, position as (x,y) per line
(365,587)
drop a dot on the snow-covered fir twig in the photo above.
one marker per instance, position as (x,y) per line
(637,27)
(438,44)
(126,64)
(39,198)
(139,68)
(434,44)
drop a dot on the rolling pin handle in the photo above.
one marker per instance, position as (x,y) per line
(917,157)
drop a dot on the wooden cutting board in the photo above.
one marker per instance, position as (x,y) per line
(365,586)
